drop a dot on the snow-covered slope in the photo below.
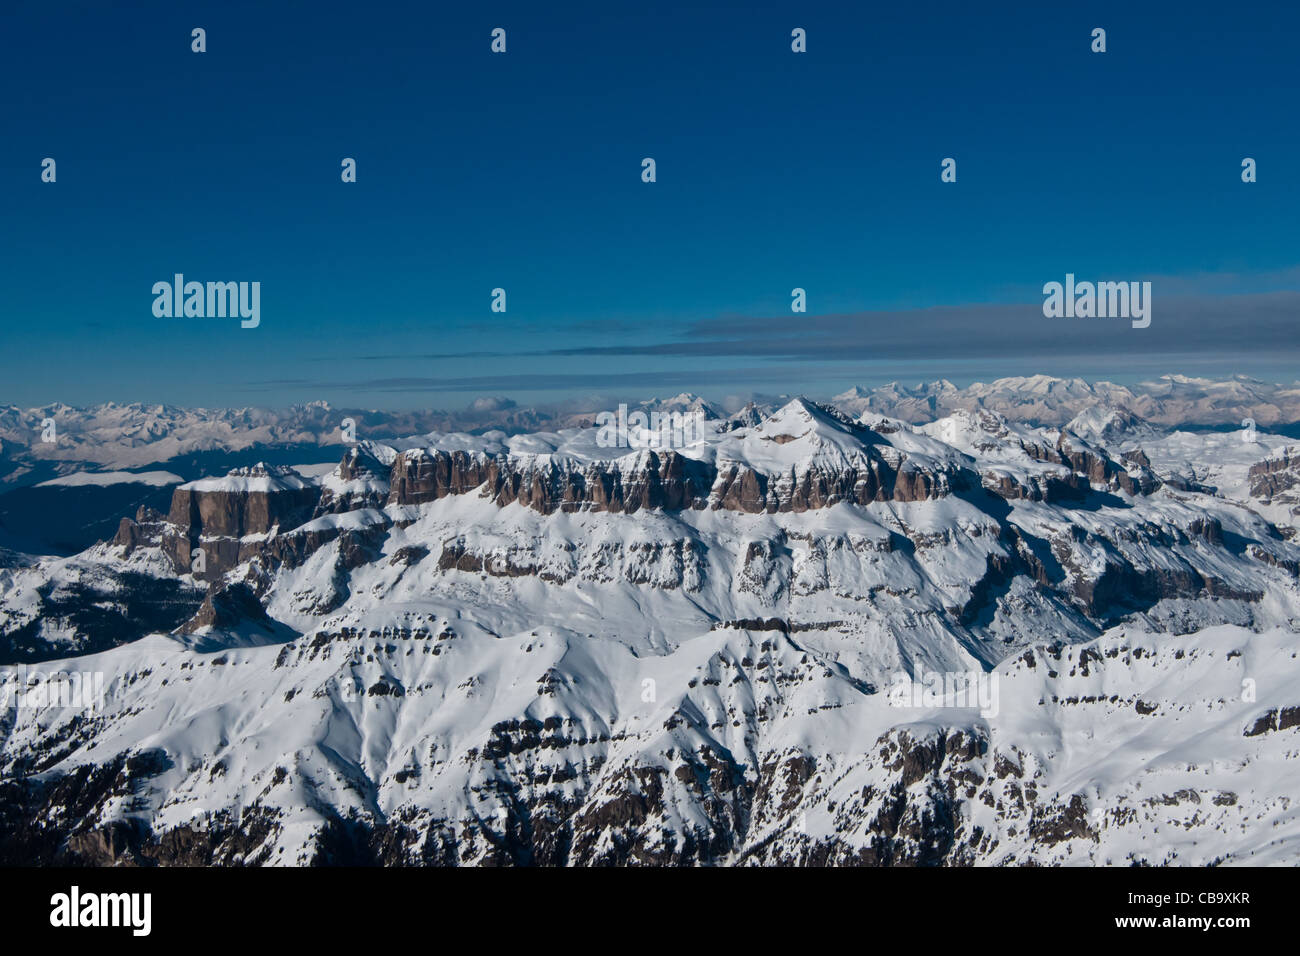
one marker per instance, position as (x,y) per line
(429,739)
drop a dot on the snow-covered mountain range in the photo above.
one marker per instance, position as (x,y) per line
(1043,399)
(522,647)
(132,436)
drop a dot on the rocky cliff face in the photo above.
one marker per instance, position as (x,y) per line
(362,481)
(1094,466)
(145,530)
(214,516)
(248,501)
(1276,480)
(659,480)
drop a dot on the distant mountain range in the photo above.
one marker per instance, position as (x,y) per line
(1174,400)
(132,436)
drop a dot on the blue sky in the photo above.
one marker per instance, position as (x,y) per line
(522,171)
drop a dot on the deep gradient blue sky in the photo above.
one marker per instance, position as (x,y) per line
(522,171)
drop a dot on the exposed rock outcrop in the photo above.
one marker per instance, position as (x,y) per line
(145,530)
(214,516)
